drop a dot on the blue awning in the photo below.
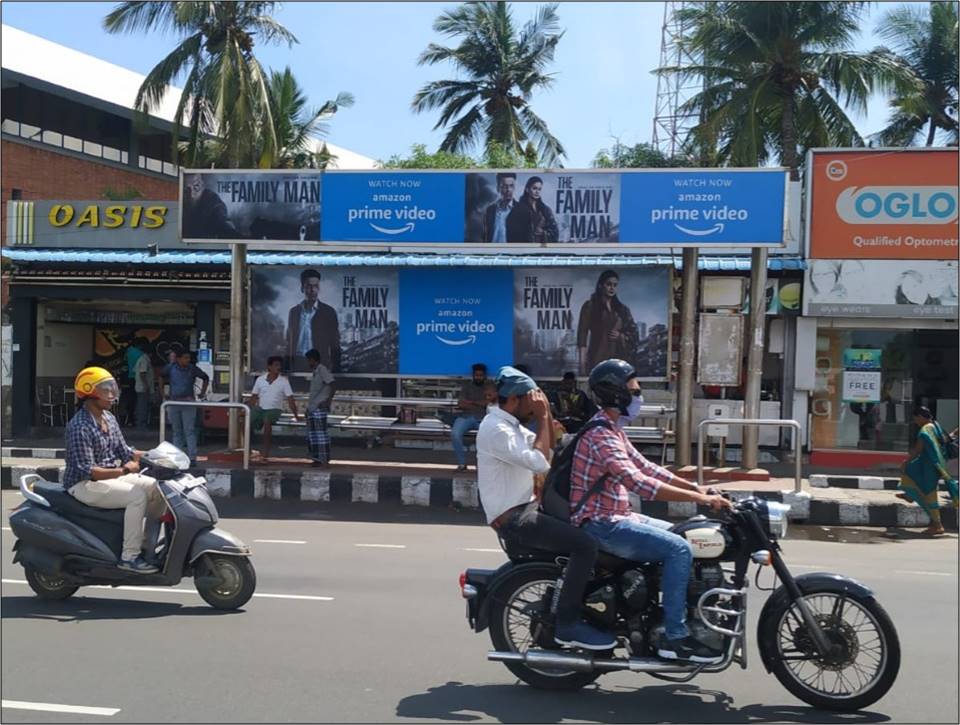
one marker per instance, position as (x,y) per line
(340,259)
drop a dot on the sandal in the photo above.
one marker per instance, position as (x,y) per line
(903,497)
(931,531)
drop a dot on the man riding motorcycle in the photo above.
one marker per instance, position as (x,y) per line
(103,471)
(605,450)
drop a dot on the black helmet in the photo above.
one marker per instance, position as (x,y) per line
(608,382)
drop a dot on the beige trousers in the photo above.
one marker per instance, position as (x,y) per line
(137,494)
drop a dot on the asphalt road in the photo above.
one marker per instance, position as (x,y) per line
(391,642)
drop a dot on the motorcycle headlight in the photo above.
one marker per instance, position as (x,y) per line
(777,519)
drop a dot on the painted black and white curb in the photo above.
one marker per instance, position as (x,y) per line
(875,483)
(461,493)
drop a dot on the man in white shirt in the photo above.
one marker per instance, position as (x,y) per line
(144,384)
(266,403)
(508,456)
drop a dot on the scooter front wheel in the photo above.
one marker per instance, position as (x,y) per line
(48,586)
(228,582)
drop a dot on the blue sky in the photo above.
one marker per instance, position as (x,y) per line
(604,85)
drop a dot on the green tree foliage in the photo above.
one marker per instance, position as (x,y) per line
(498,69)
(777,78)
(927,41)
(638,156)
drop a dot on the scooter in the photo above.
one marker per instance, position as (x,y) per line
(64,544)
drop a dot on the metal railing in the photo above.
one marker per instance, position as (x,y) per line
(210,404)
(798,474)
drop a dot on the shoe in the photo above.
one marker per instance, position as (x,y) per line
(688,649)
(581,634)
(137,566)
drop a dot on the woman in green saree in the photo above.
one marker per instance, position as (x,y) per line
(924,469)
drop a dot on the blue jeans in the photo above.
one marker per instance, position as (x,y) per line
(460,426)
(631,538)
(184,422)
(143,409)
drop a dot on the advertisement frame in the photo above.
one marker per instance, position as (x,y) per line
(463,247)
(808,181)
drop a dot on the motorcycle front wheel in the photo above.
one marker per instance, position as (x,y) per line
(237,581)
(863,665)
(520,620)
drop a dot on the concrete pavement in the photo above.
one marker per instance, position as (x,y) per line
(391,644)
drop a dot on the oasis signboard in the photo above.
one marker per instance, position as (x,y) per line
(883,204)
(524,209)
(92,224)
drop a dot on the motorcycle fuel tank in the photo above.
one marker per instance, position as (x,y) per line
(707,539)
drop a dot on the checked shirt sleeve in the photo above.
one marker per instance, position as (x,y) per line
(80,450)
(608,447)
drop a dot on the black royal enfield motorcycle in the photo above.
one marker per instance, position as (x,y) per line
(64,544)
(823,636)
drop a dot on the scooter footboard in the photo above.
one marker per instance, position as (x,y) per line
(47,531)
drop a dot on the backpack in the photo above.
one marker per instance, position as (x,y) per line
(556,489)
(948,444)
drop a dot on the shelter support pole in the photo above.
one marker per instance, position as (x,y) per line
(688,331)
(238,276)
(758,312)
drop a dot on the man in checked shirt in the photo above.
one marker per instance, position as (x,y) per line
(605,450)
(103,471)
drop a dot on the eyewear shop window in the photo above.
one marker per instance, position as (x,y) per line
(868,381)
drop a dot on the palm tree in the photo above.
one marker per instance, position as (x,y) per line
(225,84)
(500,68)
(296,126)
(777,77)
(927,41)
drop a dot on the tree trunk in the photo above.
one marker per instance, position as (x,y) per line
(788,137)
(932,132)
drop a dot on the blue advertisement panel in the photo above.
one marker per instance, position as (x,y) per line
(450,319)
(703,207)
(389,207)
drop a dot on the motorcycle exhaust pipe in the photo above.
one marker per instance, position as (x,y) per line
(581,663)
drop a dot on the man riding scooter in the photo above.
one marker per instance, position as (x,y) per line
(103,471)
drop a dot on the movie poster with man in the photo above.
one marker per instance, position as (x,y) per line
(539,208)
(244,205)
(349,315)
(572,319)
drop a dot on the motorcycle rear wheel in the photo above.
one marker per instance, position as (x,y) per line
(238,581)
(48,586)
(865,634)
(512,614)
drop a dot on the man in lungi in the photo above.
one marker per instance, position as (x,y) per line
(322,388)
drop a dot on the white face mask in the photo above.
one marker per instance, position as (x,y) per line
(633,410)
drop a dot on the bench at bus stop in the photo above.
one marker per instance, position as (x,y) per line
(375,428)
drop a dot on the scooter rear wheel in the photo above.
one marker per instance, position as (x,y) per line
(237,581)
(48,586)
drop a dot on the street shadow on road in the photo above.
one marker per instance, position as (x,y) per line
(80,608)
(458,702)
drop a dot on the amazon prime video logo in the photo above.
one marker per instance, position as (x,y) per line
(393,207)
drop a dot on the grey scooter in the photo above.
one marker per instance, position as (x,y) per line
(64,544)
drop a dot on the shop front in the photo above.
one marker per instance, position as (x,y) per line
(880,300)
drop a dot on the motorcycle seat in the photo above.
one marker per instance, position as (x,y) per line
(65,504)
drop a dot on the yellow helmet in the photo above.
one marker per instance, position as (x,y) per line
(88,380)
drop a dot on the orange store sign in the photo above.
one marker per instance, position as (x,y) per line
(883,204)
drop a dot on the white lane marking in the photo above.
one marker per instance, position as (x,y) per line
(486,551)
(50,707)
(922,573)
(164,590)
(6,528)
(278,541)
(381,546)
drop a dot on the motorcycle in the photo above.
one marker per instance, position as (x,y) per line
(823,636)
(64,544)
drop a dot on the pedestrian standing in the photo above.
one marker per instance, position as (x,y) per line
(145,384)
(181,374)
(322,389)
(129,390)
(266,401)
